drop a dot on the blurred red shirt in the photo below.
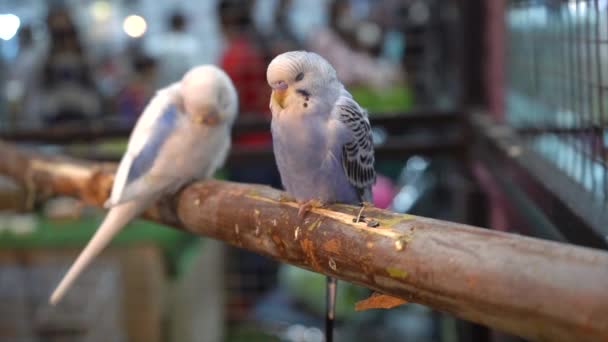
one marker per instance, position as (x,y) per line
(245,65)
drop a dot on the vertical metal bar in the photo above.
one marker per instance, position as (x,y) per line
(587,135)
(602,89)
(597,136)
(602,110)
(571,41)
(565,76)
(577,91)
(579,111)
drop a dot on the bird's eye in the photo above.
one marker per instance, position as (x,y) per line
(303,92)
(300,77)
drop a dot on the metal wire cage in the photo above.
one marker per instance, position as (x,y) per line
(557,85)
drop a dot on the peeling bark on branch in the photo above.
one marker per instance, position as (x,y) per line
(537,289)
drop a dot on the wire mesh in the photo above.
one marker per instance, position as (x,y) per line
(557,88)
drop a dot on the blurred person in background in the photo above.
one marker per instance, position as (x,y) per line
(281,38)
(24,77)
(111,72)
(243,57)
(140,88)
(176,50)
(68,92)
(344,41)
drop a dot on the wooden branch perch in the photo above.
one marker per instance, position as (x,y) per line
(537,289)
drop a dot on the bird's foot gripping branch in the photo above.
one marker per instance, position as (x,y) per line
(537,289)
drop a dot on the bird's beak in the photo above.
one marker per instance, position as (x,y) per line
(279,97)
(279,93)
(208,119)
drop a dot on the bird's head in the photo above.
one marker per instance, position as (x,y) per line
(298,76)
(209,97)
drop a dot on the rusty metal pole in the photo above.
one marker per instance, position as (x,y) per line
(537,289)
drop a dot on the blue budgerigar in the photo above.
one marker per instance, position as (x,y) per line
(182,135)
(321,137)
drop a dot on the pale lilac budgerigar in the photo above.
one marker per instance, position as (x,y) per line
(321,137)
(182,135)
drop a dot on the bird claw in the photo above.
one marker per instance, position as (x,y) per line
(307,206)
(360,217)
(286,198)
(373,223)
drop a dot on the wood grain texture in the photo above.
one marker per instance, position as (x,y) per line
(537,289)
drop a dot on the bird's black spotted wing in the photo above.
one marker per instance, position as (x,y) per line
(358,153)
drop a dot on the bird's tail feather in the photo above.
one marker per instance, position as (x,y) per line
(114,221)
(331,291)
